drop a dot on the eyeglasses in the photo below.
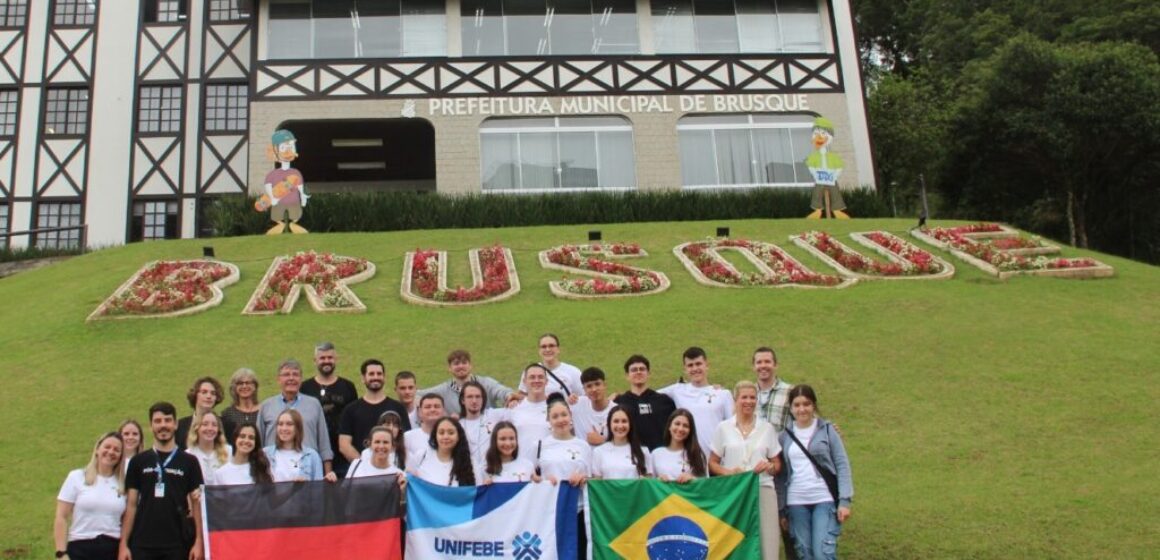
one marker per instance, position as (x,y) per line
(245,383)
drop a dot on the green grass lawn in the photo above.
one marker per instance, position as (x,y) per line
(984,418)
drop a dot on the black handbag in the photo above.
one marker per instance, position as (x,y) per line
(830,478)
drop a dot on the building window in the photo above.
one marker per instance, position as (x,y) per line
(356,28)
(13,13)
(74,12)
(58,215)
(165,11)
(736,26)
(227,107)
(4,222)
(556,153)
(9,105)
(226,10)
(66,111)
(159,109)
(154,220)
(548,27)
(745,150)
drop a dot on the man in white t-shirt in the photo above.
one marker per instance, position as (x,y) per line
(418,439)
(590,414)
(709,405)
(563,378)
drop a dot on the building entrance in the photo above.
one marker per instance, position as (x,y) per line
(365,155)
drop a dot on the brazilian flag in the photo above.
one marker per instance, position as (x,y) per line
(711,519)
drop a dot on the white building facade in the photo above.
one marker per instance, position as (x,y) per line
(122,120)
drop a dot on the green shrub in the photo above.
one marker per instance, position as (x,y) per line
(391,211)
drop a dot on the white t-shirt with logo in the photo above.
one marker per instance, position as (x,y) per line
(287,465)
(360,469)
(531,422)
(614,462)
(671,464)
(585,418)
(709,407)
(417,443)
(518,470)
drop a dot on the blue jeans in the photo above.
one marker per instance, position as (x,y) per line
(815,530)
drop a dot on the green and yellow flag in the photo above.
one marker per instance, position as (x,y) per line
(713,519)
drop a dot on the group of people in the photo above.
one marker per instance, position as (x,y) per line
(560,426)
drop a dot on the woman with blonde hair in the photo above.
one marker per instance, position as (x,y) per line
(131,437)
(207,442)
(90,504)
(746,443)
(244,403)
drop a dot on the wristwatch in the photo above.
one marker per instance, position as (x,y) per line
(61,554)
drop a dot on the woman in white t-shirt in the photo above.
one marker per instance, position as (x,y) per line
(394,424)
(502,462)
(289,460)
(563,457)
(249,464)
(447,459)
(208,443)
(130,432)
(90,504)
(380,462)
(746,443)
(680,459)
(621,457)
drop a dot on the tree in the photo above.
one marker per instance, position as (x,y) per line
(1060,133)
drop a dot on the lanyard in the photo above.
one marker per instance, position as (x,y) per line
(161,466)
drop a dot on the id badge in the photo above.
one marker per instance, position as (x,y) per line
(159,490)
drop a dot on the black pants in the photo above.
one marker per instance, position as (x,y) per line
(103,547)
(159,553)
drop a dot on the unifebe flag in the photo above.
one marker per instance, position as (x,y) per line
(357,518)
(713,518)
(515,520)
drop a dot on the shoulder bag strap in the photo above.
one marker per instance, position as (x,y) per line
(828,477)
(567,392)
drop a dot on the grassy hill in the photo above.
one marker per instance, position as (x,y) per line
(984,418)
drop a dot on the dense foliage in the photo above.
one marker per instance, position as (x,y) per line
(234,215)
(1042,114)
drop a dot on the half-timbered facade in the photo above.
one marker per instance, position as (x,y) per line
(129,121)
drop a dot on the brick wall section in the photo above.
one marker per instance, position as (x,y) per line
(658,163)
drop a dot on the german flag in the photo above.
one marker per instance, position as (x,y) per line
(357,518)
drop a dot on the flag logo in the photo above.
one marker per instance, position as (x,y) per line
(676,528)
(526,546)
(706,519)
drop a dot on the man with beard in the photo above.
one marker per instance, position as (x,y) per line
(335,393)
(162,518)
(314,434)
(360,416)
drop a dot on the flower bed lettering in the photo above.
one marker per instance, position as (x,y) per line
(1001,251)
(609,278)
(776,268)
(324,278)
(169,289)
(493,274)
(904,260)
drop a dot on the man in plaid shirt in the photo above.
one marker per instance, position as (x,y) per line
(772,402)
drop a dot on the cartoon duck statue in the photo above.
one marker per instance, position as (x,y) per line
(284,188)
(826,167)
